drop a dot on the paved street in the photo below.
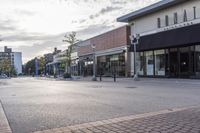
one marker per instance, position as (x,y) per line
(34,104)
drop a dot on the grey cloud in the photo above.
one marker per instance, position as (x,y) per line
(92,31)
(119,2)
(29,52)
(24,12)
(104,11)
(6,28)
(24,36)
(7,25)
(108,9)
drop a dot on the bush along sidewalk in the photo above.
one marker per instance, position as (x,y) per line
(67,76)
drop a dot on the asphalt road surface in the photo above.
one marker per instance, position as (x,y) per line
(32,104)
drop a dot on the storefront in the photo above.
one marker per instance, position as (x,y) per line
(174,53)
(109,65)
(111,54)
(74,67)
(85,65)
(183,62)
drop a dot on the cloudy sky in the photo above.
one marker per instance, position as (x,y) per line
(35,27)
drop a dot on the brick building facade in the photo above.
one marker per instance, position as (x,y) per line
(110,52)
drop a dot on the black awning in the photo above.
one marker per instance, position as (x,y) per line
(172,38)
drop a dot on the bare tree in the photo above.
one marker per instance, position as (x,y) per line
(71,40)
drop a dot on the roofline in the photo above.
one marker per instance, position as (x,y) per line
(163,4)
(107,32)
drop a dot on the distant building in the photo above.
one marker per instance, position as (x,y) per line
(49,57)
(59,63)
(15,58)
(74,65)
(53,61)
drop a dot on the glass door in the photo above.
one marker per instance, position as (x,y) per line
(184,62)
(173,62)
(197,60)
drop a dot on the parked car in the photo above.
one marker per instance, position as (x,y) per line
(3,76)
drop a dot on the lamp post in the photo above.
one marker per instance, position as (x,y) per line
(135,42)
(94,63)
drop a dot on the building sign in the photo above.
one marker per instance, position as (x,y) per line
(176,25)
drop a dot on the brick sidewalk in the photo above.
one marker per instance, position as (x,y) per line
(4,126)
(166,121)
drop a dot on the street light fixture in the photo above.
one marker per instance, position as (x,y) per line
(94,63)
(135,42)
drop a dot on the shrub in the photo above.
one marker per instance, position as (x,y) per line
(67,75)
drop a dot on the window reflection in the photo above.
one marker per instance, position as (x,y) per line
(197,49)
(110,64)
(148,63)
(159,62)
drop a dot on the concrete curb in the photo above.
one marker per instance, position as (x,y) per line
(4,125)
(110,121)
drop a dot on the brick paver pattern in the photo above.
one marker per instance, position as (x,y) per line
(179,121)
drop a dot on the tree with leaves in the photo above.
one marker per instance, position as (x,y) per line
(5,66)
(30,66)
(41,62)
(71,40)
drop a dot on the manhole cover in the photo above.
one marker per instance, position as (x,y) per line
(131,87)
(96,86)
(3,83)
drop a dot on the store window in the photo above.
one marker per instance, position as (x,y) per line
(140,62)
(195,14)
(185,16)
(148,63)
(122,65)
(176,18)
(197,49)
(158,23)
(110,64)
(166,20)
(159,62)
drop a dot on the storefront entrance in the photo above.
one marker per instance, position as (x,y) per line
(111,64)
(180,48)
(173,63)
(179,61)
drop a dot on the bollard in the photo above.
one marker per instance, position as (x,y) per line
(114,77)
(100,77)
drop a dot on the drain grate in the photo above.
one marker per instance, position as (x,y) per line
(96,86)
(131,87)
(3,83)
